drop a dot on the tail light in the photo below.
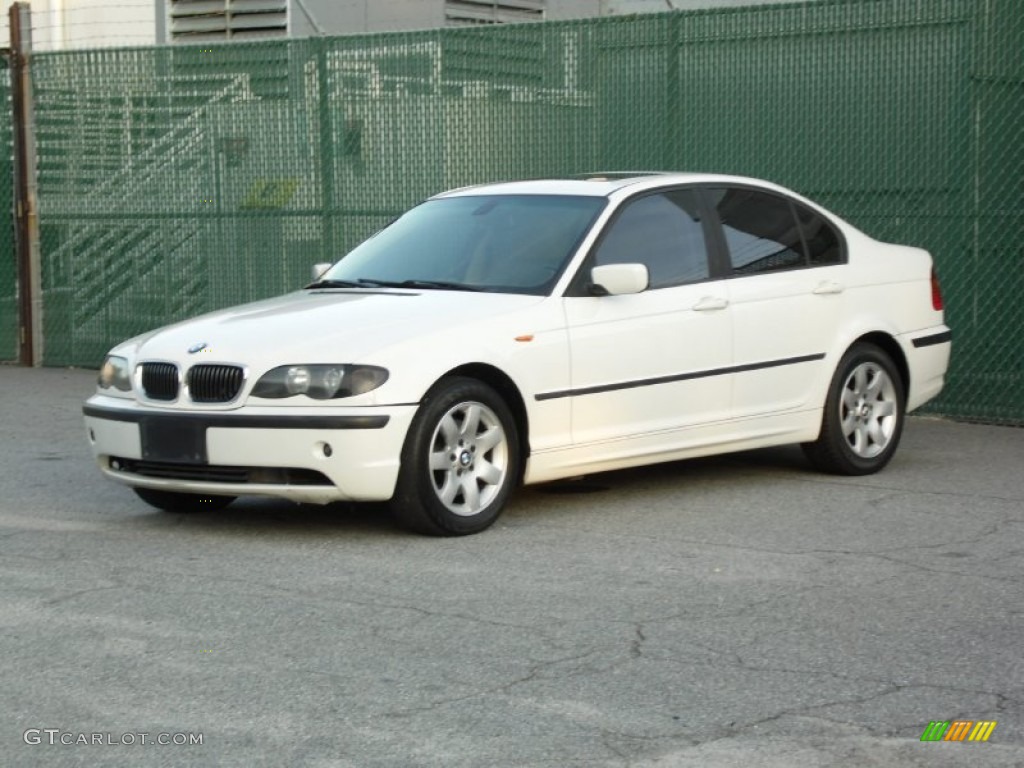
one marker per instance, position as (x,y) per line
(936,292)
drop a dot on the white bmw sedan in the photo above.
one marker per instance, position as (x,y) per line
(524,332)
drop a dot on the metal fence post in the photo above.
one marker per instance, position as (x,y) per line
(26,235)
(326,154)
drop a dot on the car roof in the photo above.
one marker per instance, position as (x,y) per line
(605,184)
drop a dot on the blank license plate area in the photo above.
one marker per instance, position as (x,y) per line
(177,440)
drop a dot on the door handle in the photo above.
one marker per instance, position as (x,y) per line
(828,286)
(709,303)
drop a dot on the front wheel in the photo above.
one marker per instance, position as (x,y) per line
(460,461)
(863,417)
(169,501)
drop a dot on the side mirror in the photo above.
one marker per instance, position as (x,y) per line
(319,269)
(618,279)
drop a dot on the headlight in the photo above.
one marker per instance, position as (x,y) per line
(321,382)
(115,373)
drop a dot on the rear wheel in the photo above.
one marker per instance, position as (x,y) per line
(863,418)
(170,501)
(460,461)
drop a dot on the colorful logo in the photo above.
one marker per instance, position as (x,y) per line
(958,730)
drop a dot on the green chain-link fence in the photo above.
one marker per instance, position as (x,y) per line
(9,334)
(177,180)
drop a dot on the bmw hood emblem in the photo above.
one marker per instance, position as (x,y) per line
(197,347)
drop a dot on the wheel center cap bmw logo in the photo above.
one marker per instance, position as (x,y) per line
(197,347)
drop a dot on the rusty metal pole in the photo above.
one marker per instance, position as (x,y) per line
(26,222)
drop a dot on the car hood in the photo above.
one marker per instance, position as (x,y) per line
(321,325)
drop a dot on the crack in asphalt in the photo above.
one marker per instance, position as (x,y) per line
(532,674)
(911,491)
(636,648)
(78,593)
(948,571)
(886,554)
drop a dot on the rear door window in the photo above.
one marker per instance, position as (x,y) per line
(760,230)
(824,245)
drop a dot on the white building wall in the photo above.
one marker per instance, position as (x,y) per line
(59,25)
(618,7)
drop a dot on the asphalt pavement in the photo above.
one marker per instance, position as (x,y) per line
(735,611)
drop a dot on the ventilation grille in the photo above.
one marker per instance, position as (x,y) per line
(210,473)
(194,21)
(459,13)
(160,381)
(214,383)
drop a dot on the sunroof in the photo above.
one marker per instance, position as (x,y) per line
(615,175)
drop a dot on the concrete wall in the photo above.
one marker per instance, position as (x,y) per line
(652,6)
(352,17)
(72,24)
(341,17)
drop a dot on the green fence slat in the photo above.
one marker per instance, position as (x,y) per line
(176,180)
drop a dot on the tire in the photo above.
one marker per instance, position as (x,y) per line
(863,416)
(460,460)
(169,501)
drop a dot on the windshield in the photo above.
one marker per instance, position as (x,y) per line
(505,243)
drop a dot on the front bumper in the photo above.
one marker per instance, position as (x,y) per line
(316,455)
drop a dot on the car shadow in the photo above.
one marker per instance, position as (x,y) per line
(256,516)
(788,459)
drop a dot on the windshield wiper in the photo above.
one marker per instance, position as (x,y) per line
(366,282)
(335,284)
(441,284)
